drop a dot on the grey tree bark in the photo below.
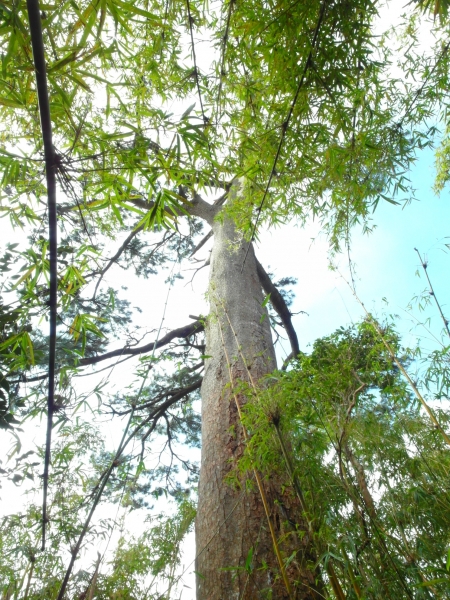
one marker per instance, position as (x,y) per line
(230,520)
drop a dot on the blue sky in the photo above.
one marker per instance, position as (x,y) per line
(385,260)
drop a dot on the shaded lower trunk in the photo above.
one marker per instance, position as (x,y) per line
(231,525)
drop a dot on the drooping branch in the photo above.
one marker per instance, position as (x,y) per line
(280,306)
(181,332)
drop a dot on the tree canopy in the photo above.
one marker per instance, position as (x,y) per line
(164,117)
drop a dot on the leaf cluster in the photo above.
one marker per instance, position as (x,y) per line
(371,468)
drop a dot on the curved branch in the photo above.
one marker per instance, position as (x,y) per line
(117,255)
(181,332)
(279,304)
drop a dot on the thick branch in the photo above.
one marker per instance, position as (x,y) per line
(181,332)
(199,208)
(280,306)
(219,202)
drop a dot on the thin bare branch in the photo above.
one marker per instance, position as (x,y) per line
(172,394)
(117,255)
(207,237)
(425,268)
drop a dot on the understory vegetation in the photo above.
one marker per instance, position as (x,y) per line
(344,431)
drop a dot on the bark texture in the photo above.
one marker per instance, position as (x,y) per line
(230,522)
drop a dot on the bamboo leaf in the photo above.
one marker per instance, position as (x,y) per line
(59,64)
(11,103)
(24,277)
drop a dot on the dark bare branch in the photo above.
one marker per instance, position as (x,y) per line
(181,332)
(172,395)
(127,352)
(201,243)
(122,249)
(117,255)
(280,306)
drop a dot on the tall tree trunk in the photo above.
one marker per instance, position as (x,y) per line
(231,524)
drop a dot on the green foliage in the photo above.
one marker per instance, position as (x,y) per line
(16,354)
(138,564)
(20,532)
(129,169)
(111,67)
(372,469)
(125,163)
(440,7)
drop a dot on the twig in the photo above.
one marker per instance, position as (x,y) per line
(425,267)
(422,87)
(173,394)
(116,256)
(197,269)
